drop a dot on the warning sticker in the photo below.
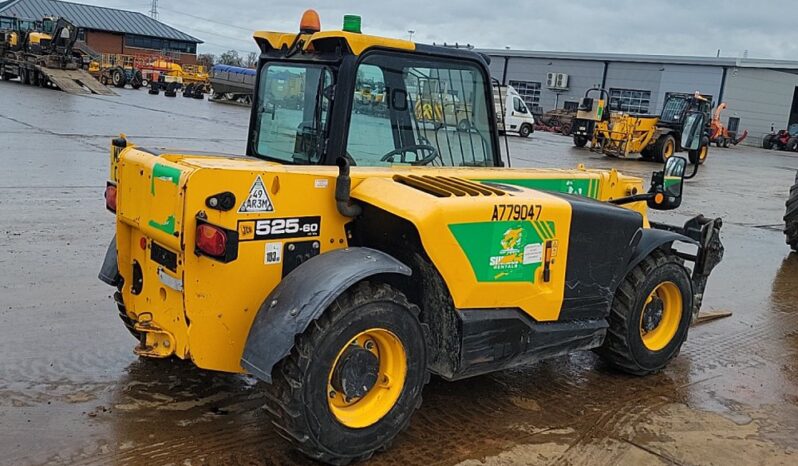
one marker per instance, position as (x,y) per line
(533,253)
(273,253)
(258,199)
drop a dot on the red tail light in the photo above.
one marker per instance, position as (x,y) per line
(211,240)
(110,197)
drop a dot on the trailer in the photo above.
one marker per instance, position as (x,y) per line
(46,58)
(232,84)
(72,80)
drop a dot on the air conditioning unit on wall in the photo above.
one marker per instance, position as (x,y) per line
(557,80)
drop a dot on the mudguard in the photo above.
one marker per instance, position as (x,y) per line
(302,296)
(109,272)
(651,239)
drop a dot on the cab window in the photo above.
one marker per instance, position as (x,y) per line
(408,110)
(291,113)
(518,105)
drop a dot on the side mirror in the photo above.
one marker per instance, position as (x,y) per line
(692,131)
(667,185)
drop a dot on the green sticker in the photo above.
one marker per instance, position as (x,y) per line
(164,173)
(587,187)
(167,227)
(509,251)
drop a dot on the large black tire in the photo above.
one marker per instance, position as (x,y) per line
(767,142)
(137,81)
(648,152)
(700,155)
(664,148)
(791,217)
(624,347)
(129,324)
(298,396)
(792,145)
(188,90)
(171,90)
(118,78)
(580,141)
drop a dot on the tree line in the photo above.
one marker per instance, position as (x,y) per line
(231,57)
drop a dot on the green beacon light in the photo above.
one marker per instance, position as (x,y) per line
(352,23)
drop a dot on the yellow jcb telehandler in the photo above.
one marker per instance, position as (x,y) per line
(348,256)
(654,137)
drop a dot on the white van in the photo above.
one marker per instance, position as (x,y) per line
(512,113)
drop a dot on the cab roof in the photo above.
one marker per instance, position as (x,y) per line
(356,43)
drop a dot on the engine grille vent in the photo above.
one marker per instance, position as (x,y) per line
(447,186)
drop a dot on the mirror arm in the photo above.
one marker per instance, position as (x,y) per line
(633,198)
(695,171)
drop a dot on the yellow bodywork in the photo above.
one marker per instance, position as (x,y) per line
(626,134)
(203,309)
(357,43)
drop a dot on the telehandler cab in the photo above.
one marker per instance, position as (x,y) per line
(348,256)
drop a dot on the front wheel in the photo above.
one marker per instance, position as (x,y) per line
(650,315)
(353,378)
(767,142)
(699,156)
(525,131)
(580,141)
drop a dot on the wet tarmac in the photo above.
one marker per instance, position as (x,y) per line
(72,392)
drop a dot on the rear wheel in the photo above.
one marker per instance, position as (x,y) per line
(767,142)
(565,129)
(664,148)
(580,141)
(650,316)
(792,145)
(353,379)
(791,217)
(118,78)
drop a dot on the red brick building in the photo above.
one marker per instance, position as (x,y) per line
(109,30)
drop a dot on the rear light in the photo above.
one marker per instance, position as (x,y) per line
(211,240)
(110,197)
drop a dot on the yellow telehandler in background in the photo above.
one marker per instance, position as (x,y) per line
(654,137)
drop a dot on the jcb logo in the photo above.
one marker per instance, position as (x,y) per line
(272,228)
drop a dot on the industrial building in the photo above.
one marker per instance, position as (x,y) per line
(759,93)
(109,30)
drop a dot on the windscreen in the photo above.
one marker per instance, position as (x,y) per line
(291,112)
(409,110)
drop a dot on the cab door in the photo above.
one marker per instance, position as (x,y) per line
(517,113)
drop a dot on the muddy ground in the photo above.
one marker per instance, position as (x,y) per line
(71,390)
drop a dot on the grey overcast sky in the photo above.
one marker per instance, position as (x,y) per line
(765,28)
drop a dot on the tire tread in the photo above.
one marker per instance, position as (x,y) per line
(284,394)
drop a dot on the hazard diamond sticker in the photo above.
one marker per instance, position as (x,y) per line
(258,199)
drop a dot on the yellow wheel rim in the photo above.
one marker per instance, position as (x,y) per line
(669,146)
(702,153)
(661,315)
(363,411)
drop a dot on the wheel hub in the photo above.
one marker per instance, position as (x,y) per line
(652,314)
(356,372)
